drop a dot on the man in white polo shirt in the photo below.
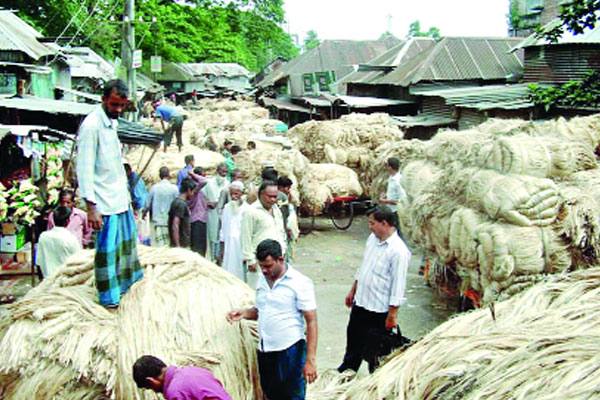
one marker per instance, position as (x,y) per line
(285,300)
(378,289)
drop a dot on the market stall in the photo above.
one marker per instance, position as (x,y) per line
(31,176)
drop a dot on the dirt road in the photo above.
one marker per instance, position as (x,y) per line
(330,258)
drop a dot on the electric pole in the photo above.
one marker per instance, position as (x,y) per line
(128,47)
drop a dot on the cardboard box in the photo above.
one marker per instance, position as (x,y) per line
(12,243)
(8,228)
(23,256)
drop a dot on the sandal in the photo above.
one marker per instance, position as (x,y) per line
(7,299)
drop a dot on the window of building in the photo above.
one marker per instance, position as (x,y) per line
(309,81)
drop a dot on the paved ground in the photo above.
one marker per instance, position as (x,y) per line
(330,258)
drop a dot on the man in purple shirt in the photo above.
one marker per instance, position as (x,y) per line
(177,383)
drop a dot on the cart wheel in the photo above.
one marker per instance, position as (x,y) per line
(341,214)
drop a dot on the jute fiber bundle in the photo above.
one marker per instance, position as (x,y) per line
(404,150)
(290,163)
(174,160)
(505,127)
(582,129)
(322,182)
(470,147)
(517,199)
(59,343)
(497,252)
(224,105)
(541,344)
(541,156)
(365,130)
(418,176)
(464,225)
(241,135)
(505,251)
(579,222)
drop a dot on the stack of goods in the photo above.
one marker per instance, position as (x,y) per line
(540,344)
(54,175)
(23,203)
(58,342)
(404,150)
(138,157)
(214,125)
(500,210)
(290,163)
(322,182)
(351,141)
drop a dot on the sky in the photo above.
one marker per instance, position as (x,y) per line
(368,19)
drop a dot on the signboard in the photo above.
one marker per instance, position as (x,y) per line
(137,59)
(155,64)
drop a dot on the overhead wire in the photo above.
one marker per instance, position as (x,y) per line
(94,10)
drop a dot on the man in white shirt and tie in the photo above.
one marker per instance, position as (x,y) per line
(379,287)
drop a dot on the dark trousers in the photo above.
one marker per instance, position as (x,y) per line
(361,322)
(282,372)
(198,237)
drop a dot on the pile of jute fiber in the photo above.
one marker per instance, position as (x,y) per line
(502,210)
(351,141)
(59,343)
(541,344)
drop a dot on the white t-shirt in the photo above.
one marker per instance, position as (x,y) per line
(280,309)
(394,190)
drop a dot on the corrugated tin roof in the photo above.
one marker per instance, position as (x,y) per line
(186,72)
(508,97)
(459,58)
(86,63)
(409,121)
(30,103)
(285,105)
(17,35)
(589,36)
(129,132)
(368,102)
(392,58)
(330,55)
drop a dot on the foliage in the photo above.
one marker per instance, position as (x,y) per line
(515,20)
(242,31)
(311,40)
(576,17)
(414,30)
(584,93)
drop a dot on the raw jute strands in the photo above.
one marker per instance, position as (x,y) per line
(541,344)
(59,343)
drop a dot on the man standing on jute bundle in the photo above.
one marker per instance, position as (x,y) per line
(285,308)
(378,289)
(103,186)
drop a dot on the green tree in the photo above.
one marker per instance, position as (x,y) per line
(514,16)
(311,40)
(414,30)
(576,17)
(242,31)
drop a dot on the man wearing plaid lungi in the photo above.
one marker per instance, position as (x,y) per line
(103,185)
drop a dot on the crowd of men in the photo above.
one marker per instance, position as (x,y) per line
(250,233)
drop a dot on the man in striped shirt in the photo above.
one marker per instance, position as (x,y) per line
(379,287)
